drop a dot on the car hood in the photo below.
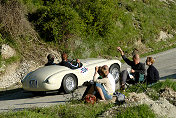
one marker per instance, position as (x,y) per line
(46,71)
(91,61)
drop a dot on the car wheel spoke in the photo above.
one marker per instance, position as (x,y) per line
(70,83)
(115,73)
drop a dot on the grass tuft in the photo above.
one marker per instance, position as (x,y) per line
(141,111)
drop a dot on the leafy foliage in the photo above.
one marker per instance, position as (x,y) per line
(103,25)
(57,22)
(91,28)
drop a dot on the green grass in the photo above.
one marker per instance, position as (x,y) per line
(80,111)
(161,85)
(95,28)
(153,90)
(141,111)
(62,111)
(104,25)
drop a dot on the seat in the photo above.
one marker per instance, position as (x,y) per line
(141,83)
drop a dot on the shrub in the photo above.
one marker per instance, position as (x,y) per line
(57,22)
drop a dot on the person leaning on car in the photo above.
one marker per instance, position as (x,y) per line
(68,64)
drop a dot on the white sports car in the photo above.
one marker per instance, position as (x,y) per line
(55,77)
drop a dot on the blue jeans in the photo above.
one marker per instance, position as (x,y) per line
(107,97)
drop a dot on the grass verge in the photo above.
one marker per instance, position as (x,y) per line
(141,111)
(161,85)
(67,110)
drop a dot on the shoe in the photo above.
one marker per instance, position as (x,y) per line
(122,87)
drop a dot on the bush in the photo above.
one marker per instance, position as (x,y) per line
(61,20)
(103,25)
(57,22)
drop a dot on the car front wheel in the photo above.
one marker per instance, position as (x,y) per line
(115,71)
(69,83)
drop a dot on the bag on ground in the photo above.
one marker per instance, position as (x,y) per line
(89,98)
(120,98)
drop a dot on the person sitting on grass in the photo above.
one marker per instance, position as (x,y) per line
(104,85)
(137,68)
(152,72)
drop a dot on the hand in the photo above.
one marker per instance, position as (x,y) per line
(132,71)
(120,50)
(96,69)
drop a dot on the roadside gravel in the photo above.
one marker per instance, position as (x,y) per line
(15,72)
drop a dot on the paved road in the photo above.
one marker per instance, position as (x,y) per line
(165,62)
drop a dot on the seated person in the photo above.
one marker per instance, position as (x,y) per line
(50,58)
(103,87)
(137,68)
(152,72)
(68,64)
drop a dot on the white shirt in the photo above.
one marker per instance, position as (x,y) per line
(112,81)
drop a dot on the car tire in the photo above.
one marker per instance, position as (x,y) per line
(69,83)
(115,71)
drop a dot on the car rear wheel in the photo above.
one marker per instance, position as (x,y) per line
(69,83)
(115,71)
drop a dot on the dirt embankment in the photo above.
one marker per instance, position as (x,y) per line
(165,106)
(31,59)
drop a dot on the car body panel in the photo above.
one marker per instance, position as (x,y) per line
(50,77)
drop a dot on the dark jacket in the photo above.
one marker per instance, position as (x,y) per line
(152,75)
(139,68)
(50,63)
(69,65)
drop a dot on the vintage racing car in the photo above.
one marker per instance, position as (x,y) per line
(56,77)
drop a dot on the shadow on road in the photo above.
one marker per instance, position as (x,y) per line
(21,94)
(173,76)
(30,103)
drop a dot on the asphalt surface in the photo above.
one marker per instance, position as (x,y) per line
(165,63)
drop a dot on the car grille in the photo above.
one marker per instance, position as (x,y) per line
(33,83)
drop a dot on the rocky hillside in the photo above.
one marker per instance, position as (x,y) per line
(29,30)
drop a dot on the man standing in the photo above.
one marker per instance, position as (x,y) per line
(137,68)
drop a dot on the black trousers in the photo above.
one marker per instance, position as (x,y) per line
(124,77)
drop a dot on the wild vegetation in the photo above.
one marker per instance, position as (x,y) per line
(88,28)
(103,25)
